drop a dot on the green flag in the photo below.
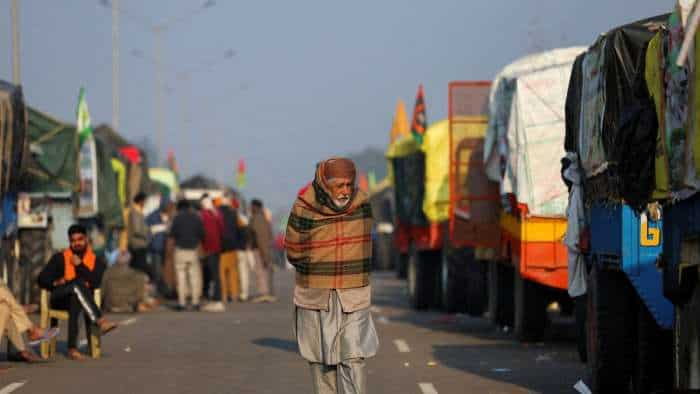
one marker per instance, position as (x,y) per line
(84,125)
(372,178)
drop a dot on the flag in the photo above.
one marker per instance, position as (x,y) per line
(372,178)
(399,127)
(83,118)
(362,183)
(172,163)
(420,122)
(241,174)
(87,161)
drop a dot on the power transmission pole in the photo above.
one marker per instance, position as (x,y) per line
(115,64)
(15,43)
(159,95)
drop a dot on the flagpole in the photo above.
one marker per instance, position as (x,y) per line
(15,43)
(115,64)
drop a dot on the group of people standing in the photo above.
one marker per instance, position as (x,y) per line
(214,250)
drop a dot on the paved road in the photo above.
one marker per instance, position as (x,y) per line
(250,349)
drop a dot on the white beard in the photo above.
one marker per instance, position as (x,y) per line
(341,204)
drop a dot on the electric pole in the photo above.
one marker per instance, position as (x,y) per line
(15,43)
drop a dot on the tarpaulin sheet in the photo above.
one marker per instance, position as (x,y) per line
(502,90)
(167,178)
(535,138)
(13,132)
(436,148)
(110,205)
(408,169)
(53,164)
(618,122)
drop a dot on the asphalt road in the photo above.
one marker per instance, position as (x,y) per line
(250,349)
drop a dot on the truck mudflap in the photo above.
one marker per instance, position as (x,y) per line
(626,240)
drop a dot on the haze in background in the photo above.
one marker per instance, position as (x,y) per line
(309,79)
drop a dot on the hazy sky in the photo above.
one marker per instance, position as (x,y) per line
(309,78)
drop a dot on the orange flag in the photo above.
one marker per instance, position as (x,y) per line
(399,127)
(363,183)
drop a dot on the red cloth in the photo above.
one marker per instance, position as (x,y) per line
(213,229)
(131,153)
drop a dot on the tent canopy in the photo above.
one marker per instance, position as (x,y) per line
(53,164)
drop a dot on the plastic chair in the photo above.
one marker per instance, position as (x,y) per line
(50,317)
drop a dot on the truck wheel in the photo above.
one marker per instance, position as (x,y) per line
(382,253)
(612,334)
(423,279)
(34,245)
(500,293)
(530,309)
(477,287)
(402,266)
(580,304)
(654,372)
(453,280)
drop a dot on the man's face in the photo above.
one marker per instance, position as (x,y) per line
(78,243)
(341,190)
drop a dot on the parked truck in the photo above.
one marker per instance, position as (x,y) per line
(438,264)
(473,231)
(611,144)
(524,138)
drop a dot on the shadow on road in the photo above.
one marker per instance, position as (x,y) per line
(541,368)
(277,343)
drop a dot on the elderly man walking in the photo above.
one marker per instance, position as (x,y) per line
(328,241)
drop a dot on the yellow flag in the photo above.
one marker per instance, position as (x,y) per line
(399,127)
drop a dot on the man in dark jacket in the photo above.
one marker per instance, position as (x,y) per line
(187,232)
(72,276)
(231,244)
(158,222)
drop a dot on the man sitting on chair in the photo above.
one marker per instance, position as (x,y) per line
(72,276)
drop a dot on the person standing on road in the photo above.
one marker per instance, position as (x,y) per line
(158,222)
(231,243)
(245,256)
(328,241)
(262,233)
(138,237)
(187,233)
(211,246)
(72,276)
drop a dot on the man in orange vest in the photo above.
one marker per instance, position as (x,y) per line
(72,276)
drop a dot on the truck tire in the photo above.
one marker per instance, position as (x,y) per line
(580,304)
(477,287)
(402,266)
(530,317)
(381,253)
(654,371)
(500,293)
(423,278)
(34,246)
(611,326)
(453,275)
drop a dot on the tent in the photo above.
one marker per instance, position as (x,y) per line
(52,166)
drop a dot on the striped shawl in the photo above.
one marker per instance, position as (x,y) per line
(329,247)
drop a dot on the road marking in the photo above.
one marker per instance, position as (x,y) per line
(402,346)
(128,321)
(427,388)
(12,387)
